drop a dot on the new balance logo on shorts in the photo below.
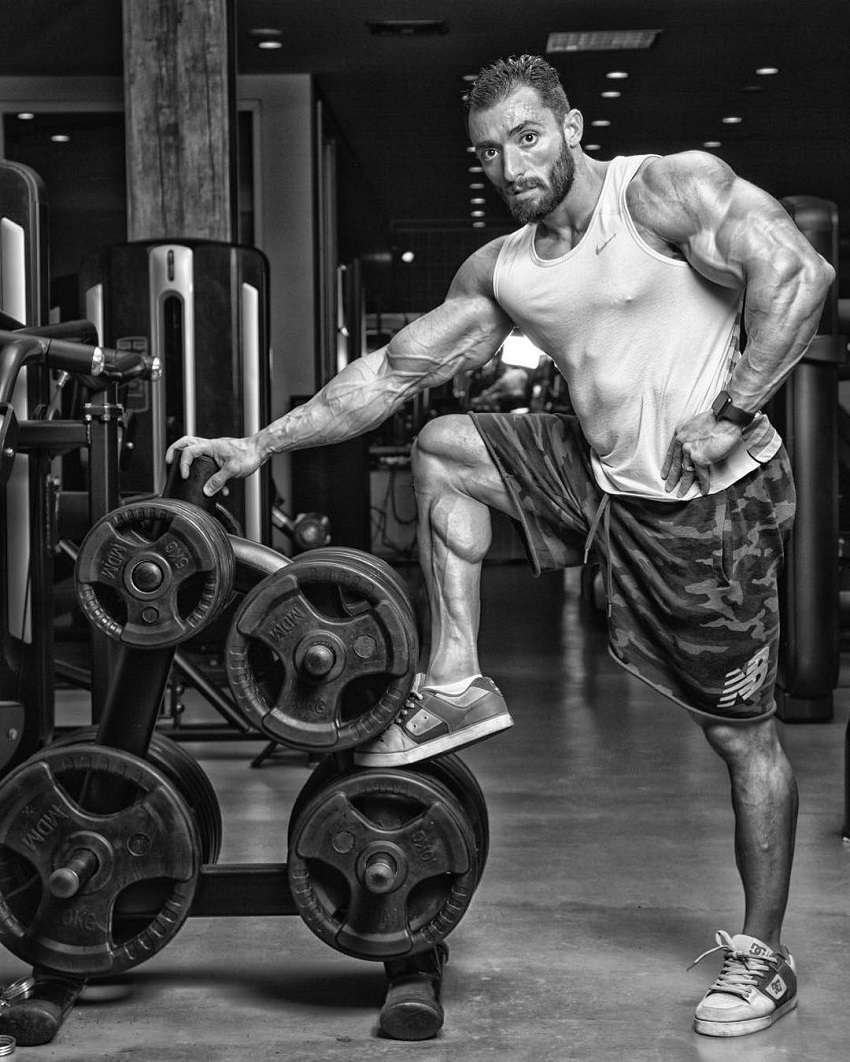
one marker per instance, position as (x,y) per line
(742,682)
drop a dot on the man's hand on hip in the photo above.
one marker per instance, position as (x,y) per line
(697,444)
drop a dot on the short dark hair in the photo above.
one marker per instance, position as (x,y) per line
(498,80)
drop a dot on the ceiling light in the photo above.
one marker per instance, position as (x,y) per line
(601,122)
(592,147)
(266,37)
(476,213)
(476,169)
(766,71)
(613,95)
(60,138)
(478,224)
(478,202)
(732,119)
(478,184)
(469,77)
(26,116)
(407,256)
(711,143)
(471,149)
(616,75)
(602,40)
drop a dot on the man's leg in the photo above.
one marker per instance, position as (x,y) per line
(758,981)
(456,484)
(764,798)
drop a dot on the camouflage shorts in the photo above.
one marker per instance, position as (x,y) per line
(693,599)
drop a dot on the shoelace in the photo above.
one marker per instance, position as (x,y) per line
(414,698)
(739,971)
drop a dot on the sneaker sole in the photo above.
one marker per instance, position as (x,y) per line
(742,1028)
(437,746)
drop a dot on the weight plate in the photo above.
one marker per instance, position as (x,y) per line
(154,573)
(184,772)
(321,654)
(382,863)
(118,835)
(449,769)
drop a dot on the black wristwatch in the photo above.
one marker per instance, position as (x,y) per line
(723,409)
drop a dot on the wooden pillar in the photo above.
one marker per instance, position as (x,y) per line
(180,111)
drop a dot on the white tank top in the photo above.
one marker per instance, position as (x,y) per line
(644,342)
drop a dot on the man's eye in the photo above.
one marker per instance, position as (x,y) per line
(487,154)
(529,138)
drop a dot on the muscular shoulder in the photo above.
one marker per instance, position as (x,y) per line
(676,196)
(475,276)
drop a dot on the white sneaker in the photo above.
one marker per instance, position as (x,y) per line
(755,988)
(433,722)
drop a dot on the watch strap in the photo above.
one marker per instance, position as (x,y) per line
(723,409)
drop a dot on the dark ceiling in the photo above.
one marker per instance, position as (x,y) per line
(396,99)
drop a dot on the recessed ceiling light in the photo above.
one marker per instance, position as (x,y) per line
(60,138)
(616,75)
(471,149)
(407,256)
(592,147)
(711,143)
(26,116)
(469,77)
(478,202)
(266,37)
(601,122)
(478,184)
(476,169)
(476,213)
(732,119)
(478,224)
(613,95)
(766,71)
(269,45)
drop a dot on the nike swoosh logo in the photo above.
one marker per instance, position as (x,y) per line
(600,247)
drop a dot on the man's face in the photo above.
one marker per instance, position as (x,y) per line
(523,150)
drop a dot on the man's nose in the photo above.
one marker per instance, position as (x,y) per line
(512,165)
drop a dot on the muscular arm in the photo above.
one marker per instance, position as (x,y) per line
(739,236)
(462,333)
(736,235)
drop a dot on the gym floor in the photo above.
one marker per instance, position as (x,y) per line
(610,870)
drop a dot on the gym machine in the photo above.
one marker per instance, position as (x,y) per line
(110,836)
(805,412)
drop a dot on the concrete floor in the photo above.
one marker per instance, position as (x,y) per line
(610,870)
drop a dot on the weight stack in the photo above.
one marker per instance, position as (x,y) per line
(202,307)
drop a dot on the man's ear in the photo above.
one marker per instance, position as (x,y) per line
(573,127)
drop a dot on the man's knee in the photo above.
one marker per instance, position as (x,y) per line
(737,742)
(449,438)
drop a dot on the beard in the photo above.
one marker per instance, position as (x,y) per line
(555,188)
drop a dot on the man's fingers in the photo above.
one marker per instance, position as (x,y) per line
(668,460)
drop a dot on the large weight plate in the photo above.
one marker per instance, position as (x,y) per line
(152,574)
(51,808)
(449,769)
(382,863)
(321,654)
(184,772)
